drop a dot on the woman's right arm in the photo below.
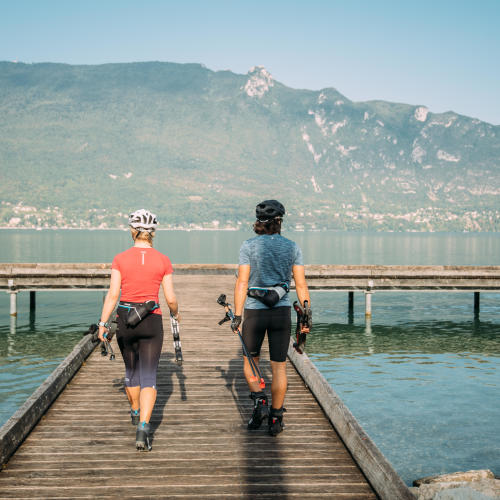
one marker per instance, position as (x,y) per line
(167,284)
(240,289)
(299,276)
(111,299)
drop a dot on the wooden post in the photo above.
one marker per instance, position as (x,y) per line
(32,309)
(368,300)
(13,303)
(368,304)
(476,303)
(13,298)
(350,312)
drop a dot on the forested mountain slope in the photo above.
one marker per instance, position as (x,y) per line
(80,146)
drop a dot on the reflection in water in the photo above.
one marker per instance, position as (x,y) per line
(369,335)
(32,319)
(426,392)
(13,325)
(426,337)
(368,327)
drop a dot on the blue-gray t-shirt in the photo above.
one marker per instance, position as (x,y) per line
(271,258)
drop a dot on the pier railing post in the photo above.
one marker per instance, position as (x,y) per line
(13,298)
(32,308)
(13,303)
(350,312)
(368,300)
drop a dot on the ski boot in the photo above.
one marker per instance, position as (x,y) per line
(142,437)
(260,410)
(275,421)
(134,417)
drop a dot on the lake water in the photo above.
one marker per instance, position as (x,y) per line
(422,377)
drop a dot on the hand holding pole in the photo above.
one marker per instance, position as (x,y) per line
(231,317)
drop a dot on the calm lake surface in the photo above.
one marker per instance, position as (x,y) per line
(422,378)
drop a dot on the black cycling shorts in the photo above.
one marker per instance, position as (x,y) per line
(140,346)
(277,322)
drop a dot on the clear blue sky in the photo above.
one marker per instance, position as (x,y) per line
(444,54)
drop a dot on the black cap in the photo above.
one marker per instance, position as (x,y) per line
(268,210)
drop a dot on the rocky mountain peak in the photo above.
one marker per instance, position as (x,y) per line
(259,81)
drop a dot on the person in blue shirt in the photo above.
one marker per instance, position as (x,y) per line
(266,265)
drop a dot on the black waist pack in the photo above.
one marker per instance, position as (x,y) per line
(137,311)
(271,295)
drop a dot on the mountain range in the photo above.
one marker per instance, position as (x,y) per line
(82,146)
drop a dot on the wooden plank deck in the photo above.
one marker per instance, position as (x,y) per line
(84,446)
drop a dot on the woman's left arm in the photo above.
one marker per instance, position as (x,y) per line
(167,284)
(111,299)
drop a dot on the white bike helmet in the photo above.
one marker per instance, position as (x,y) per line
(143,220)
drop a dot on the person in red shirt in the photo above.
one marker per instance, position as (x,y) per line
(138,272)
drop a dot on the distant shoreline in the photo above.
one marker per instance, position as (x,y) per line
(245,229)
(113,229)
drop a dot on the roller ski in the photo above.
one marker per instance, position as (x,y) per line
(143,438)
(174,324)
(260,410)
(275,421)
(304,325)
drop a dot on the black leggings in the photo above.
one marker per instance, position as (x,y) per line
(140,346)
(277,322)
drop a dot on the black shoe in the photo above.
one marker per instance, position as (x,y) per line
(142,438)
(275,421)
(135,417)
(260,410)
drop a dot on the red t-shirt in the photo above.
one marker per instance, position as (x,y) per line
(142,271)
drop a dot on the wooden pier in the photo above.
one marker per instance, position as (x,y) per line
(15,278)
(83,446)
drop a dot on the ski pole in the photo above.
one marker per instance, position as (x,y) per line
(257,375)
(229,317)
(105,346)
(108,348)
(255,369)
(253,366)
(174,324)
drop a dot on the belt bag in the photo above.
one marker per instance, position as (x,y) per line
(269,296)
(137,311)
